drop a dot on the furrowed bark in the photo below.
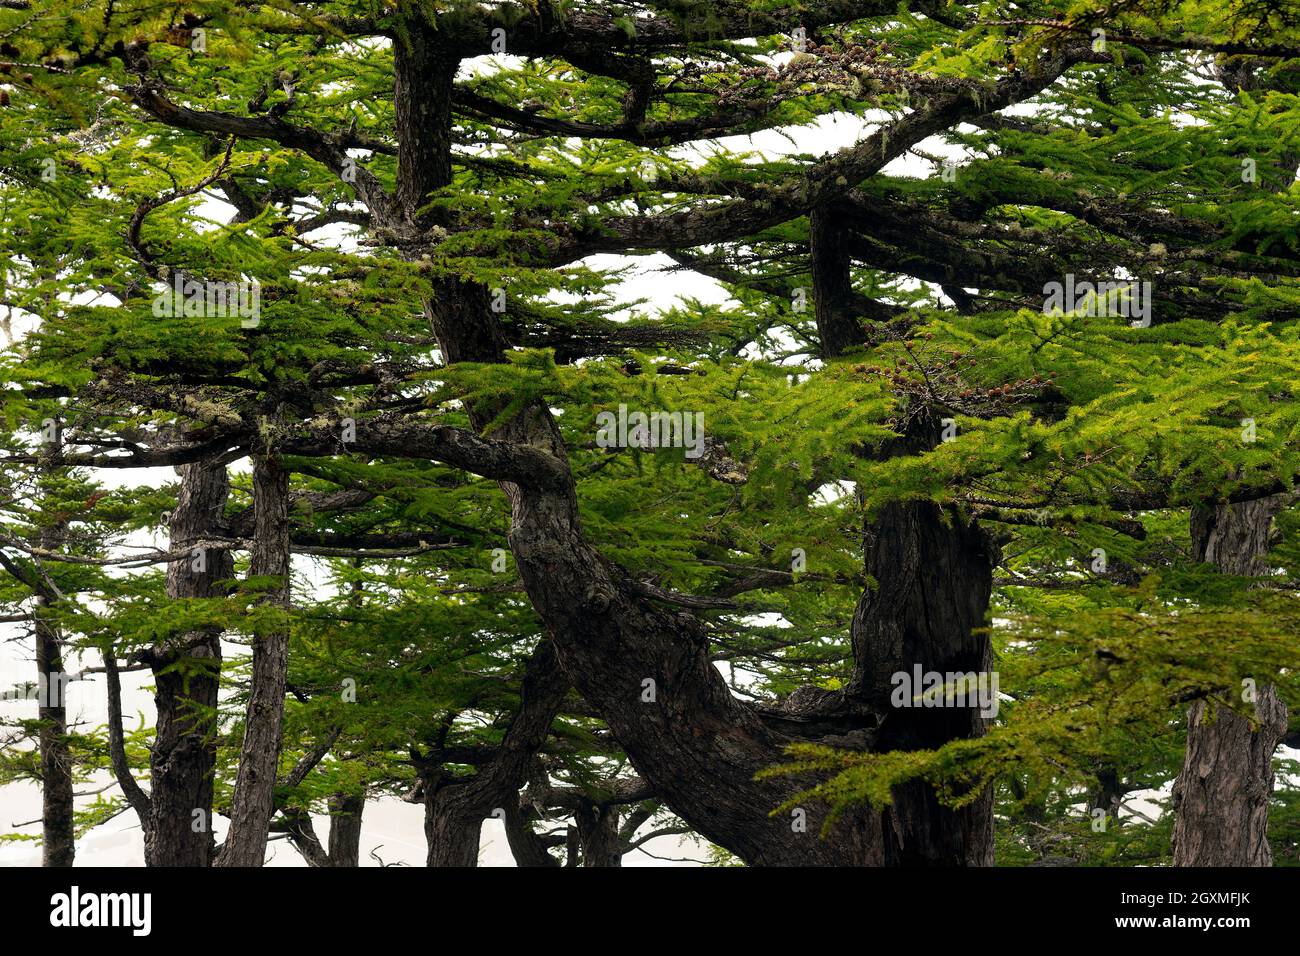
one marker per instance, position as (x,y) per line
(58,839)
(345,829)
(1221,797)
(934,574)
(646,668)
(186,674)
(455,807)
(254,797)
(598,834)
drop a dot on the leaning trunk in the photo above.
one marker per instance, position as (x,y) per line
(186,673)
(254,798)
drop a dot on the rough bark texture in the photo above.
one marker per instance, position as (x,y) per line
(598,835)
(344,836)
(254,797)
(1221,797)
(526,846)
(645,667)
(935,574)
(186,672)
(455,807)
(58,836)
(345,829)
(58,844)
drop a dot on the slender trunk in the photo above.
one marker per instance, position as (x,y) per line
(186,675)
(254,797)
(1221,797)
(58,842)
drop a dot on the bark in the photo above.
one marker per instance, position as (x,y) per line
(344,837)
(598,835)
(186,674)
(646,667)
(58,843)
(345,829)
(455,807)
(526,845)
(934,573)
(1221,796)
(58,836)
(254,797)
(837,324)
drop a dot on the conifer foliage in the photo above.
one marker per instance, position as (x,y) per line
(958,527)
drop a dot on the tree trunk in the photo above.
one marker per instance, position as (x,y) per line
(1221,797)
(345,829)
(254,797)
(454,808)
(934,574)
(58,842)
(526,846)
(186,674)
(58,835)
(598,835)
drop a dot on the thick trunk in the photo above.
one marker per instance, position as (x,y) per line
(453,821)
(254,797)
(186,673)
(345,829)
(1221,797)
(598,835)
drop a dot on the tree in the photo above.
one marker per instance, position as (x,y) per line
(951,420)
